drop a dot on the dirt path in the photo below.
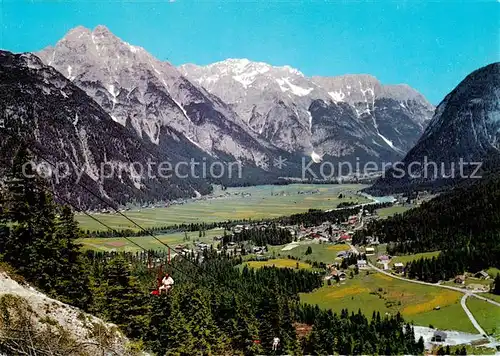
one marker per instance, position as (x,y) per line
(471,317)
(467,293)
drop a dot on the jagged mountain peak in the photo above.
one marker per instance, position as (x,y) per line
(240,65)
(361,87)
(478,93)
(147,94)
(99,45)
(249,75)
(276,103)
(63,124)
(402,92)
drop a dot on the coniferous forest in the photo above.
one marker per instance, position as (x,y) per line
(464,224)
(214,308)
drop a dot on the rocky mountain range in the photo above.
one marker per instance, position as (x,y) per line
(139,91)
(67,129)
(93,98)
(465,128)
(238,109)
(359,115)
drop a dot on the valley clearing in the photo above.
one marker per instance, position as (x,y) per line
(373,291)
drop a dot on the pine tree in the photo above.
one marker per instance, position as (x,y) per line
(496,288)
(122,301)
(39,245)
(72,280)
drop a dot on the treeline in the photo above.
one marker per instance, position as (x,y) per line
(37,236)
(351,259)
(315,217)
(242,311)
(451,263)
(346,204)
(310,218)
(355,334)
(271,235)
(448,221)
(168,229)
(463,223)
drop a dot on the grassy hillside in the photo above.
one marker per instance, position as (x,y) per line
(378,292)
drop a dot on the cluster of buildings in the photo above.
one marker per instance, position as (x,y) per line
(481,275)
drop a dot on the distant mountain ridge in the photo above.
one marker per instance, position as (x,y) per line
(276,103)
(465,127)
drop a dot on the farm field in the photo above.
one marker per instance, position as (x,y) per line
(470,281)
(451,317)
(493,272)
(326,253)
(280,263)
(243,203)
(378,292)
(486,314)
(492,296)
(147,242)
(390,211)
(408,258)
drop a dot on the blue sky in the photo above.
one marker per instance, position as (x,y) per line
(428,45)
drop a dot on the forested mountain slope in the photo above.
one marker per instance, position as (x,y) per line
(214,307)
(464,131)
(43,110)
(466,214)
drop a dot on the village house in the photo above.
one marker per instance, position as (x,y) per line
(369,240)
(259,249)
(439,336)
(385,265)
(383,259)
(352,220)
(399,267)
(346,237)
(202,246)
(339,275)
(482,275)
(370,251)
(342,254)
(460,279)
(361,264)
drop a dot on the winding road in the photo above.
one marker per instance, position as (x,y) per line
(467,293)
(461,290)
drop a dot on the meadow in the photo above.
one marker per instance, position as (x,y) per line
(486,314)
(326,253)
(378,292)
(408,258)
(147,242)
(391,210)
(258,202)
(280,263)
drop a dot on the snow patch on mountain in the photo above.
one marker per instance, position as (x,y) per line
(286,85)
(337,96)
